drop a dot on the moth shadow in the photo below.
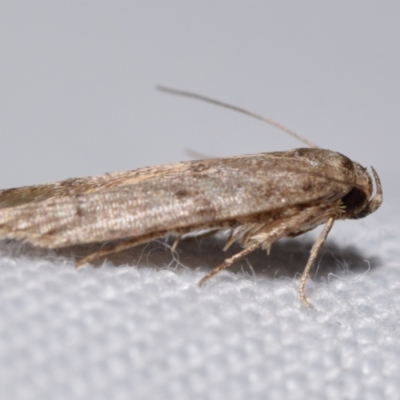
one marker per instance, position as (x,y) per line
(287,258)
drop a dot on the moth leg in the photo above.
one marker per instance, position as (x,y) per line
(180,237)
(176,242)
(136,241)
(313,255)
(230,240)
(272,232)
(229,261)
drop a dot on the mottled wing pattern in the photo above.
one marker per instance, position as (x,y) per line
(190,194)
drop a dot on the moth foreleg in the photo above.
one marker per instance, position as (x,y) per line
(136,241)
(313,255)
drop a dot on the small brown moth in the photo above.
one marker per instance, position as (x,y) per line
(257,199)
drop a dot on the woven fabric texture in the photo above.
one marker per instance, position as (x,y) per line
(119,331)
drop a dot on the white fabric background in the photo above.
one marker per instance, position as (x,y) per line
(124,332)
(77,99)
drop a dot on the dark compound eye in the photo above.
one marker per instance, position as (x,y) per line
(353,200)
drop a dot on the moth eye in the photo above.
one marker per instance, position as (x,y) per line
(353,200)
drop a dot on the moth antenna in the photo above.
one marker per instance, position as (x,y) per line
(239,109)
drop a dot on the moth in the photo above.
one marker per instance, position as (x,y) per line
(255,199)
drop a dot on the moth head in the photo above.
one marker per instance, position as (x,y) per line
(359,201)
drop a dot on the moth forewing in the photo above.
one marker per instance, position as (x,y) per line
(217,193)
(257,198)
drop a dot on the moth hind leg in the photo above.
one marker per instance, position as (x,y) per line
(133,242)
(229,261)
(120,246)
